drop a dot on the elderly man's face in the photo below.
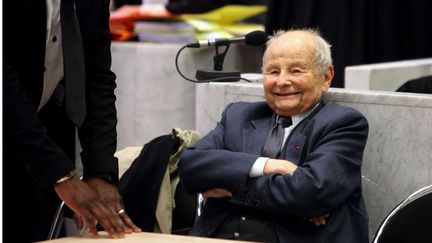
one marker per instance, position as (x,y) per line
(292,81)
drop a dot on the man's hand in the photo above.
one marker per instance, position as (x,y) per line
(89,207)
(321,220)
(279,166)
(111,198)
(217,193)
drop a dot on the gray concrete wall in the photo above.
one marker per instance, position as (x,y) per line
(387,76)
(152,98)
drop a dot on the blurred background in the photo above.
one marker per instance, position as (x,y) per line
(361,32)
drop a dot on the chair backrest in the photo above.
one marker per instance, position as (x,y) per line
(186,211)
(418,85)
(146,186)
(410,221)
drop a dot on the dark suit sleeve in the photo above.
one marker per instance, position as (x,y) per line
(25,138)
(330,174)
(209,164)
(98,134)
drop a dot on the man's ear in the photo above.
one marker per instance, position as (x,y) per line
(328,77)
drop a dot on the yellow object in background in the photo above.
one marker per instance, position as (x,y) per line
(228,14)
(224,22)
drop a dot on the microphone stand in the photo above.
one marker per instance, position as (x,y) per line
(218,59)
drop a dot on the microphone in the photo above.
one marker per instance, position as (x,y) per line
(254,38)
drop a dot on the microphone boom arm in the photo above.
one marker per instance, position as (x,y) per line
(254,38)
(219,57)
(218,60)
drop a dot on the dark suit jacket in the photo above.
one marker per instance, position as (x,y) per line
(328,148)
(141,183)
(26,140)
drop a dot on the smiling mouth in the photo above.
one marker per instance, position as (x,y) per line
(286,94)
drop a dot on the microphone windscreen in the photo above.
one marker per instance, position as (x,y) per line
(256,38)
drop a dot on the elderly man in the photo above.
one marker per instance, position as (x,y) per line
(288,169)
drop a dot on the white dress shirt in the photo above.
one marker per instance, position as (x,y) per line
(54,70)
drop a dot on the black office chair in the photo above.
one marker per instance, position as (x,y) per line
(57,223)
(421,85)
(410,221)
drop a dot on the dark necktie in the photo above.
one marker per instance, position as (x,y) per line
(73,57)
(273,144)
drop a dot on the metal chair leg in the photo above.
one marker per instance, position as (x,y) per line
(57,222)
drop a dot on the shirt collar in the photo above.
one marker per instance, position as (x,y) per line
(296,119)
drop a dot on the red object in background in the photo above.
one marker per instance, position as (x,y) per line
(121,30)
(122,20)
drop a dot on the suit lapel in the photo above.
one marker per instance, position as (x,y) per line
(294,148)
(254,137)
(297,140)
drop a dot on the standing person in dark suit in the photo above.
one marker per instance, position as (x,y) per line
(309,188)
(56,77)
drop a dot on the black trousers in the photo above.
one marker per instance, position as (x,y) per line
(27,211)
(247,225)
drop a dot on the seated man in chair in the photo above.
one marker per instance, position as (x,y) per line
(288,169)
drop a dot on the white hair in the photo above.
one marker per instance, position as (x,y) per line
(322,48)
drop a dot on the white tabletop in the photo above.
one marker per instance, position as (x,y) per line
(140,237)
